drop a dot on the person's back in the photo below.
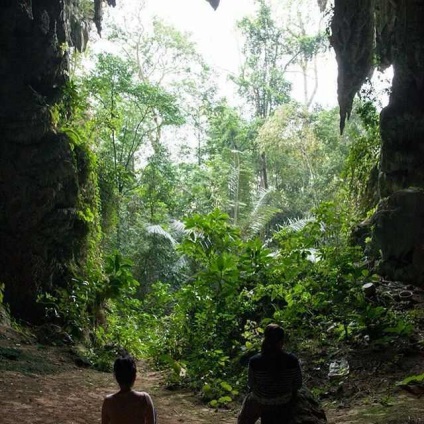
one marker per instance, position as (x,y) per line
(274,379)
(274,376)
(127,406)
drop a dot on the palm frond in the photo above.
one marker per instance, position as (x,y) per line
(263,196)
(180,264)
(261,219)
(262,213)
(297,224)
(178,228)
(233,182)
(159,231)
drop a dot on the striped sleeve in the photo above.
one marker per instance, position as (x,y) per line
(297,376)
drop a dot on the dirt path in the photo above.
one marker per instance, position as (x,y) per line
(46,388)
(75,397)
(41,384)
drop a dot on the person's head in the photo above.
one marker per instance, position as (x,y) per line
(125,371)
(273,338)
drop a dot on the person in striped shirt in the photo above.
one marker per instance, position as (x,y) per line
(274,378)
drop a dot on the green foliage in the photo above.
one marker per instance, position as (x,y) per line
(311,283)
(360,169)
(205,323)
(129,110)
(267,220)
(231,150)
(129,114)
(81,306)
(71,118)
(412,379)
(301,164)
(89,205)
(323,277)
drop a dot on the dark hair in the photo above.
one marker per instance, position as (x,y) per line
(273,335)
(125,370)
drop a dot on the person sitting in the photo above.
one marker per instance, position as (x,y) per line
(274,377)
(127,406)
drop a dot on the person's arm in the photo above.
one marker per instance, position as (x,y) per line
(297,379)
(150,416)
(105,413)
(250,377)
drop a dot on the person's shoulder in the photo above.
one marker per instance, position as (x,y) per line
(109,397)
(144,398)
(137,393)
(108,400)
(255,358)
(291,359)
(142,395)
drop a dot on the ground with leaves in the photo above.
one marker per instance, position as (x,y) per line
(42,384)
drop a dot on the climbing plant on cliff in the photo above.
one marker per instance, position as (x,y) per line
(361,166)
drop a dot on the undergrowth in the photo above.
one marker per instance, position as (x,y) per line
(204,330)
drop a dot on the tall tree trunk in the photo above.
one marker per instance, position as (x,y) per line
(263,171)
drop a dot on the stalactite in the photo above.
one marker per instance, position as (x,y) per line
(98,12)
(98,15)
(352,37)
(322,5)
(385,16)
(214,3)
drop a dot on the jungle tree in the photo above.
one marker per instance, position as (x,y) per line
(262,80)
(130,113)
(166,57)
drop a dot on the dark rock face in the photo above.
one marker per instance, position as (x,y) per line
(399,221)
(39,184)
(399,228)
(352,32)
(394,30)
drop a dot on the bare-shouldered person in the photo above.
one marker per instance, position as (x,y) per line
(127,406)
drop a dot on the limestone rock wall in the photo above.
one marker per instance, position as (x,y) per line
(39,185)
(398,226)
(393,32)
(399,221)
